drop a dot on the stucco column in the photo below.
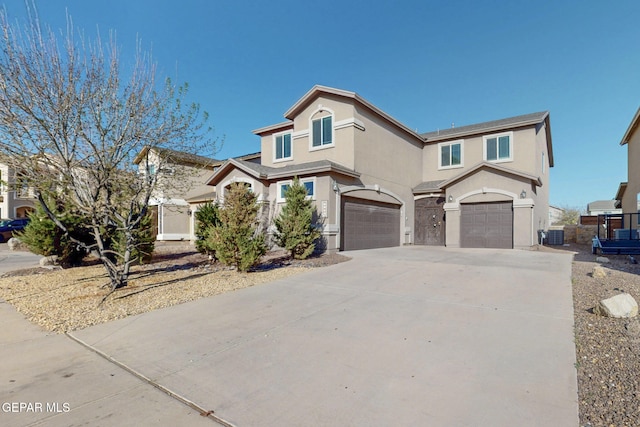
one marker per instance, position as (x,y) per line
(524,234)
(452,223)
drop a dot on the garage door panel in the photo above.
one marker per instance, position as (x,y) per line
(367,224)
(486,225)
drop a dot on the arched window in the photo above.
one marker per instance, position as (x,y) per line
(321,126)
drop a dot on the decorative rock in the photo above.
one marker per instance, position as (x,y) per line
(619,306)
(599,272)
(602,259)
(48,261)
(15,244)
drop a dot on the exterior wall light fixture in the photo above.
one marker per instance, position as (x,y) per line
(523,194)
(450,198)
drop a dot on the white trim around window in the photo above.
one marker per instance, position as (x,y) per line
(498,147)
(322,128)
(282,147)
(281,187)
(451,154)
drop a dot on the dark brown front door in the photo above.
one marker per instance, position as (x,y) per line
(367,224)
(429,218)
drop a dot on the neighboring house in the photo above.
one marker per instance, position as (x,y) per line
(16,201)
(377,183)
(185,176)
(205,193)
(628,192)
(602,207)
(555,214)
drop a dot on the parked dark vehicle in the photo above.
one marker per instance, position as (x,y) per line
(8,226)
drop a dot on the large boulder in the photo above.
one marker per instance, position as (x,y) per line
(619,306)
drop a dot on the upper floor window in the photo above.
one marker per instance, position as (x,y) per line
(322,131)
(498,148)
(450,154)
(282,146)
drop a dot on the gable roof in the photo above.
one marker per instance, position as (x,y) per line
(318,90)
(620,193)
(259,171)
(491,166)
(531,119)
(490,126)
(176,156)
(632,128)
(602,205)
(428,187)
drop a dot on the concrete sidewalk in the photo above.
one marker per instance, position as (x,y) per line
(399,336)
(50,380)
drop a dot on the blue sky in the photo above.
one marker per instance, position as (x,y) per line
(427,63)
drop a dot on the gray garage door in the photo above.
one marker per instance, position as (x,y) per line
(486,225)
(367,224)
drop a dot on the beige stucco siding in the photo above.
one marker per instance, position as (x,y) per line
(525,154)
(630,198)
(541,208)
(341,151)
(236,175)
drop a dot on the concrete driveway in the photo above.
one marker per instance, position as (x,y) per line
(399,336)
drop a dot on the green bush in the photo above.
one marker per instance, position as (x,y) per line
(43,237)
(294,226)
(236,240)
(143,236)
(207,216)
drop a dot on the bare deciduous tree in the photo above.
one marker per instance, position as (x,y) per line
(71,125)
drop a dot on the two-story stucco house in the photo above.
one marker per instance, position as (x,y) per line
(16,201)
(377,183)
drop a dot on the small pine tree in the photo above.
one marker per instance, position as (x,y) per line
(236,240)
(145,240)
(207,216)
(43,237)
(294,229)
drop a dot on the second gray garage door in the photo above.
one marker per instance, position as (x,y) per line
(486,225)
(367,224)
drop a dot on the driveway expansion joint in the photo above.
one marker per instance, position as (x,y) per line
(203,412)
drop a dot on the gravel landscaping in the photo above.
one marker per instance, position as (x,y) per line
(607,349)
(70,299)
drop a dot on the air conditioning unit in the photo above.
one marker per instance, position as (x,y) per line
(625,234)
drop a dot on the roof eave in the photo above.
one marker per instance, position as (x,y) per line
(318,89)
(273,128)
(495,128)
(534,179)
(314,170)
(631,129)
(230,164)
